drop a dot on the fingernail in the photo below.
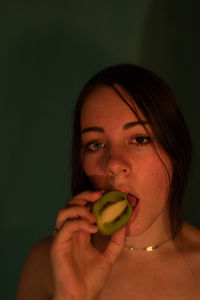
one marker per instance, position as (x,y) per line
(93,218)
(93,228)
(102,191)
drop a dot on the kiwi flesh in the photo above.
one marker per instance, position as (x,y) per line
(112,211)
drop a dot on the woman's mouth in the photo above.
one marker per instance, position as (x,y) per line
(132,200)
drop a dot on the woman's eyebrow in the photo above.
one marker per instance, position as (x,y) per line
(126,126)
(132,124)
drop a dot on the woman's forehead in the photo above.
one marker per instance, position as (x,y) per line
(106,100)
(105,111)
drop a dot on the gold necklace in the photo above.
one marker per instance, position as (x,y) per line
(148,248)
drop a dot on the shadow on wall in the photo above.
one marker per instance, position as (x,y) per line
(45,71)
(171,43)
(44,80)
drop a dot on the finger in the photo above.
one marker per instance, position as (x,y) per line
(74,212)
(83,198)
(115,245)
(72,226)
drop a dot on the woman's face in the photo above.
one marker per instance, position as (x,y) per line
(118,154)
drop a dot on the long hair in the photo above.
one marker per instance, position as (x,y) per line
(152,96)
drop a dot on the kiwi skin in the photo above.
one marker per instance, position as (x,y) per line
(108,201)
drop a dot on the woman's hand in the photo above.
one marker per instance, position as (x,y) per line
(80,270)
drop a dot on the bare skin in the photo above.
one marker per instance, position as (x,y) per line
(75,263)
(117,154)
(171,272)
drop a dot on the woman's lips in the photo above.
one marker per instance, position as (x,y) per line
(134,204)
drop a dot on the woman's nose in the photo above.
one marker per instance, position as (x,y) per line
(117,165)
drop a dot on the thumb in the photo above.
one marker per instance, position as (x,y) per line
(115,245)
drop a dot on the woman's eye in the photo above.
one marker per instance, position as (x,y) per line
(94,146)
(141,140)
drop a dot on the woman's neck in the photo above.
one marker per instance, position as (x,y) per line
(157,232)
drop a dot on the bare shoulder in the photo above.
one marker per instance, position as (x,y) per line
(36,277)
(191,235)
(191,241)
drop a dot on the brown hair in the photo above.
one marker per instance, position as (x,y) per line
(158,105)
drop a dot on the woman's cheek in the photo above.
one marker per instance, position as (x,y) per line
(86,166)
(95,174)
(89,165)
(159,180)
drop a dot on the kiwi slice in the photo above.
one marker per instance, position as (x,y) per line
(112,211)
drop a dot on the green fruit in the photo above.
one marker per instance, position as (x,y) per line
(112,211)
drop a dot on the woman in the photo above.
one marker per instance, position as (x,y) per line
(129,135)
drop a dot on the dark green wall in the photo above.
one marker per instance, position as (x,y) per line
(48,50)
